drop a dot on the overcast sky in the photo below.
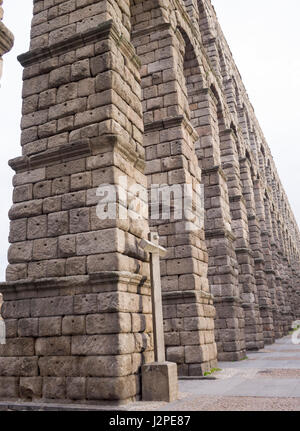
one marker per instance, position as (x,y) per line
(264,38)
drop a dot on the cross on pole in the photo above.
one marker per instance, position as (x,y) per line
(152,246)
(2,324)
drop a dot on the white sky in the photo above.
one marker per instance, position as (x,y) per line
(264,38)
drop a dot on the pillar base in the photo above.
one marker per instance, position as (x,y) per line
(70,339)
(160,381)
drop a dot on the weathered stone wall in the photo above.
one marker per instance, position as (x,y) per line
(147,90)
(270,226)
(169,70)
(251,235)
(77,298)
(6,39)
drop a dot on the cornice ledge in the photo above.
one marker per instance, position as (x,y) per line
(78,149)
(102,31)
(170,122)
(49,157)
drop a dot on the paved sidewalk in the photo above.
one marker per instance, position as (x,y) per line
(267,380)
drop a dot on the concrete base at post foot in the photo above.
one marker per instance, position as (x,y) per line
(160,381)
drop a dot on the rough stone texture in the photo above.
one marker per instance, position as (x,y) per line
(77,297)
(160,382)
(66,347)
(6,38)
(149,91)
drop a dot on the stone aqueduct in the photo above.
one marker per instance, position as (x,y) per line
(146,89)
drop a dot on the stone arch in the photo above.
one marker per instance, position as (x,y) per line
(222,63)
(206,22)
(223,120)
(218,155)
(248,126)
(250,159)
(237,94)
(234,131)
(193,81)
(261,159)
(172,87)
(192,9)
(254,145)
(268,172)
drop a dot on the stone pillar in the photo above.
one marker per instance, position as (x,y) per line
(171,160)
(270,262)
(192,8)
(262,262)
(6,39)
(223,268)
(254,327)
(278,276)
(242,245)
(296,298)
(285,281)
(77,297)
